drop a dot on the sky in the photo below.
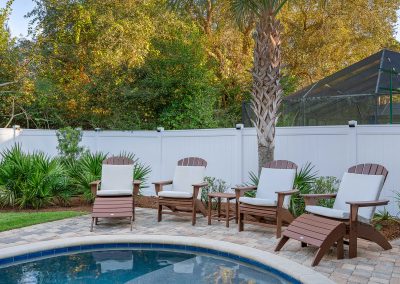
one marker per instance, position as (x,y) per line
(19,25)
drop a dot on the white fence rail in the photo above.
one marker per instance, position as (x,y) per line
(232,154)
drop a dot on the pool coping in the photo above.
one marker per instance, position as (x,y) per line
(293,269)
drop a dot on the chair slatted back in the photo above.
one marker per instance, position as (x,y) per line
(118,160)
(281,164)
(369,169)
(192,161)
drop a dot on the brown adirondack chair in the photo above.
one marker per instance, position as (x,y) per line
(186,185)
(272,197)
(354,207)
(115,192)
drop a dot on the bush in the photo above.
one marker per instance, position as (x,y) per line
(35,180)
(31,180)
(68,143)
(322,185)
(214,185)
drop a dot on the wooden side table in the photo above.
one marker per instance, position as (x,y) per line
(219,214)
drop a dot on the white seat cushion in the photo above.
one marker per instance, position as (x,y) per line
(175,194)
(258,201)
(273,180)
(186,176)
(116,180)
(358,187)
(114,192)
(332,213)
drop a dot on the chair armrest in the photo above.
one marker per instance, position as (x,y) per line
(164,182)
(158,186)
(368,203)
(240,190)
(289,192)
(94,186)
(202,184)
(136,186)
(311,199)
(197,187)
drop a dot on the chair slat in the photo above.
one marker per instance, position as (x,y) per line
(192,161)
(281,164)
(118,160)
(369,169)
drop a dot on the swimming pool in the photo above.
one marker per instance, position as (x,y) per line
(143,265)
(147,259)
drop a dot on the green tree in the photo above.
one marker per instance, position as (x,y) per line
(175,80)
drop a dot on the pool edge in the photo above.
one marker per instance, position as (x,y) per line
(304,274)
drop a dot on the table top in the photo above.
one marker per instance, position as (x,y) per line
(222,195)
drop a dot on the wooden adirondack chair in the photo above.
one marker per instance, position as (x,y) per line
(186,185)
(272,198)
(115,192)
(354,207)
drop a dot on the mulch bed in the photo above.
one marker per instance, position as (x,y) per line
(390,229)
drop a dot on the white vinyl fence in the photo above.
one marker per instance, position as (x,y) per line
(231,154)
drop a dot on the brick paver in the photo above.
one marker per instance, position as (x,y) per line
(373,265)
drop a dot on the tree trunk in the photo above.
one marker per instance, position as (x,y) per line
(267,91)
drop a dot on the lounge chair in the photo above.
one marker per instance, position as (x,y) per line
(354,207)
(272,197)
(183,198)
(115,192)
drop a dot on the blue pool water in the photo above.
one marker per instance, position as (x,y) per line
(137,266)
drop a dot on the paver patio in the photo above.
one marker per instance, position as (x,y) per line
(372,266)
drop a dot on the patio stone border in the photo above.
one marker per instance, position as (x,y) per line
(283,265)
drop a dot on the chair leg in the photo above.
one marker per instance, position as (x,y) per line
(91,227)
(194,213)
(241,224)
(227,213)
(278,224)
(340,249)
(281,243)
(131,219)
(96,221)
(353,240)
(209,210)
(159,213)
(133,209)
(318,256)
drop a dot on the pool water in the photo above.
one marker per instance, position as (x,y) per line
(136,266)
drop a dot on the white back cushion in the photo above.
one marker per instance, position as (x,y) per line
(273,180)
(358,187)
(117,178)
(186,176)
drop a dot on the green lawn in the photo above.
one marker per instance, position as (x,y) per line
(14,220)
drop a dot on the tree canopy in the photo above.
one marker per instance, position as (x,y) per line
(139,64)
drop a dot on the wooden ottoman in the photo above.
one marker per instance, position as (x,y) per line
(316,231)
(112,207)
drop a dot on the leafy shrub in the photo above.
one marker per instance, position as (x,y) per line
(68,143)
(214,185)
(31,180)
(303,182)
(327,184)
(382,217)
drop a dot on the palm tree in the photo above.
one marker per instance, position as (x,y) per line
(266,91)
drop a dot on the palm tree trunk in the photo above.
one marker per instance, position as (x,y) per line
(267,91)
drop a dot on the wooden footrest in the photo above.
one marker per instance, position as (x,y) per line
(112,207)
(317,231)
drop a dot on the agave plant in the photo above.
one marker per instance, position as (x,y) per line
(31,180)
